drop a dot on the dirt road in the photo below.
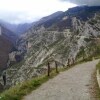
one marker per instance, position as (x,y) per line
(69,85)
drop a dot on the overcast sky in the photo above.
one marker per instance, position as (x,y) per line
(19,11)
(85,2)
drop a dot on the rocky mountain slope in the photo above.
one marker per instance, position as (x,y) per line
(7,42)
(71,35)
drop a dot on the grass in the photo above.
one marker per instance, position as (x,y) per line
(96,83)
(98,66)
(20,90)
(84,60)
(94,89)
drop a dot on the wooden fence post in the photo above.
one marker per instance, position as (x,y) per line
(56,67)
(68,62)
(4,78)
(48,69)
(73,61)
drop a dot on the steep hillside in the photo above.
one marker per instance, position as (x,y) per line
(71,35)
(11,36)
(7,42)
(5,48)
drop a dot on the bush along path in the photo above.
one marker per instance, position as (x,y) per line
(73,84)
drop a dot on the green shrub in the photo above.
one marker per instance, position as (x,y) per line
(93,22)
(98,66)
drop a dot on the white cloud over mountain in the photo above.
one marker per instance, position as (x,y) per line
(18,11)
(85,2)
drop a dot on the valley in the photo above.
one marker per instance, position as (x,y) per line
(63,37)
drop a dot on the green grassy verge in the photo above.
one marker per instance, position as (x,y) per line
(96,86)
(20,90)
(98,66)
(95,91)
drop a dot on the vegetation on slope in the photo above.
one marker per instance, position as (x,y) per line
(22,89)
(98,66)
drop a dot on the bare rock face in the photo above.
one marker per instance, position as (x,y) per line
(15,56)
(66,36)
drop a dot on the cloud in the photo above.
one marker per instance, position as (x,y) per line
(19,11)
(85,2)
(18,17)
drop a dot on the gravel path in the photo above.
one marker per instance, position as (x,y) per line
(69,85)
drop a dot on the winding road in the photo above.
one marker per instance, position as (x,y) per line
(72,84)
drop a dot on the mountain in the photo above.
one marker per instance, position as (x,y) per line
(22,28)
(16,28)
(48,18)
(71,35)
(7,43)
(11,36)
